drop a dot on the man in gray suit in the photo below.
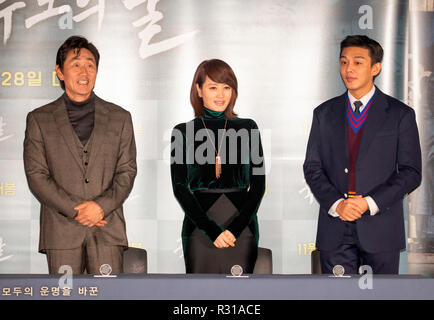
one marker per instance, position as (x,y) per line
(80,162)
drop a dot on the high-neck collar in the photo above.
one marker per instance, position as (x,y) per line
(78,104)
(213,115)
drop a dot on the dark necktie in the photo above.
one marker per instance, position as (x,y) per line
(357,104)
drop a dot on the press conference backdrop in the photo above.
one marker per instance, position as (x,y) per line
(285,55)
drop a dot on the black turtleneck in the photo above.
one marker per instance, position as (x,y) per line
(81,115)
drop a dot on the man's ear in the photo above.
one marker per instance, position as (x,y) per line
(375,69)
(59,72)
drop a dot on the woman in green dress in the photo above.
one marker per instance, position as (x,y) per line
(218,175)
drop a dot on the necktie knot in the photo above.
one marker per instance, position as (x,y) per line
(357,104)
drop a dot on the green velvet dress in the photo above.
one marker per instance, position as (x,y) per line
(195,184)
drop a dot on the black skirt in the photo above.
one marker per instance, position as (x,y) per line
(200,254)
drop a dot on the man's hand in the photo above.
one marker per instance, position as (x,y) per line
(225,239)
(352,209)
(90,214)
(360,202)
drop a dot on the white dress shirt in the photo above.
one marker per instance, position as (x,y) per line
(373,208)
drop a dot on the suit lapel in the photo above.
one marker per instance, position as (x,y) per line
(99,130)
(339,127)
(66,131)
(376,117)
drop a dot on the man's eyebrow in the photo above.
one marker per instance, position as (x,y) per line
(77,58)
(358,57)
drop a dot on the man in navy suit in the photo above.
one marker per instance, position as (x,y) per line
(362,158)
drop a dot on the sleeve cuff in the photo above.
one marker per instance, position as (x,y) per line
(373,208)
(332,210)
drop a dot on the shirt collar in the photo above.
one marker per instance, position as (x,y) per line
(365,99)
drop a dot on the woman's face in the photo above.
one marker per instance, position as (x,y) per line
(216,96)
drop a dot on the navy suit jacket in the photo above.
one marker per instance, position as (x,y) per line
(387,168)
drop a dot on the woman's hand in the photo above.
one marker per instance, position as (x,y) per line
(225,239)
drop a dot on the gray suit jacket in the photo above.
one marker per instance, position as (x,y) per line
(58,178)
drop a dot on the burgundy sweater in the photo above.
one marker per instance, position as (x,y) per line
(353,150)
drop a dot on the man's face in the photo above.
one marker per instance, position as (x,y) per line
(357,71)
(79,74)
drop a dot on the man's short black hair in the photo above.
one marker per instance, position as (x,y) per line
(375,49)
(74,43)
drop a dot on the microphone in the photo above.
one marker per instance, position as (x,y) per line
(338,272)
(237,272)
(105,271)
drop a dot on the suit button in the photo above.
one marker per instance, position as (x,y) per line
(86,180)
(346,170)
